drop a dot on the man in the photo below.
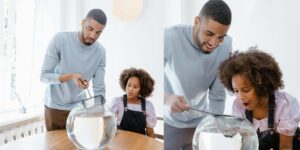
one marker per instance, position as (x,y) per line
(192,55)
(71,61)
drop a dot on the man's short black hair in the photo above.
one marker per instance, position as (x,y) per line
(98,15)
(217,10)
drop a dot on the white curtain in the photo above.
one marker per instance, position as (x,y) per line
(7,30)
(37,22)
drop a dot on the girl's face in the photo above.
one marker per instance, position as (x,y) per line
(245,92)
(133,87)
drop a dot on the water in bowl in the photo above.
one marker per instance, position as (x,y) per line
(94,132)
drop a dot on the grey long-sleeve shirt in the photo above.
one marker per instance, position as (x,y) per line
(66,54)
(190,73)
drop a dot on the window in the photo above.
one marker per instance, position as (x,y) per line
(19,66)
(8,56)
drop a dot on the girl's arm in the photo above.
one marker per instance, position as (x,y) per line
(286,142)
(150,118)
(150,132)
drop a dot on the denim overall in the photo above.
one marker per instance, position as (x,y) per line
(134,121)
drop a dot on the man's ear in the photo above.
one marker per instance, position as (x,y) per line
(197,20)
(82,22)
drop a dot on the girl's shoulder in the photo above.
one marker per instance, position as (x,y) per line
(117,100)
(287,113)
(284,99)
(149,103)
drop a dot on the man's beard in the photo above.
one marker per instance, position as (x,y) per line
(88,44)
(84,40)
(201,46)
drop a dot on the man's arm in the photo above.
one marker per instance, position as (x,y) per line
(217,93)
(51,59)
(217,97)
(82,83)
(98,79)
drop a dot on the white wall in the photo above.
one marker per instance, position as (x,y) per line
(272,25)
(134,44)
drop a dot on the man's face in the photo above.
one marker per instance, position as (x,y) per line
(208,34)
(91,31)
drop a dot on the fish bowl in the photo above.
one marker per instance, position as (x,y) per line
(225,132)
(91,125)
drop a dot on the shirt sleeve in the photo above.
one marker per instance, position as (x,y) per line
(167,45)
(167,60)
(51,59)
(150,115)
(217,93)
(98,79)
(287,114)
(116,107)
(217,97)
(112,105)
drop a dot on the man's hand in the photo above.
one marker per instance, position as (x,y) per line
(82,83)
(176,103)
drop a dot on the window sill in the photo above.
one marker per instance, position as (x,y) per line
(13,119)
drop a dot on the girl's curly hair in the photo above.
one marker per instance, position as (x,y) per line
(259,67)
(146,81)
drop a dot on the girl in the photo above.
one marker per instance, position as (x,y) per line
(255,78)
(135,113)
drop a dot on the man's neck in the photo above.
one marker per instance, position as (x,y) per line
(80,36)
